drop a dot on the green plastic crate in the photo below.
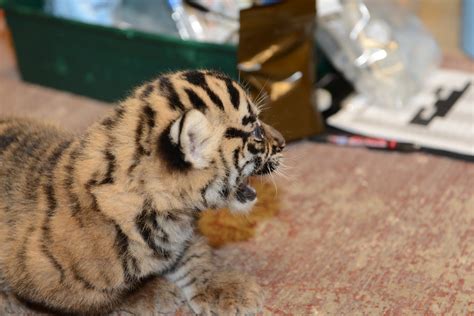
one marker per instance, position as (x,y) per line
(97,61)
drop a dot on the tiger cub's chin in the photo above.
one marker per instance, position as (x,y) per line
(237,207)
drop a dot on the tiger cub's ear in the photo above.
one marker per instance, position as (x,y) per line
(195,137)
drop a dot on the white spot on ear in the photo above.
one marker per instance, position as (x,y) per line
(174,132)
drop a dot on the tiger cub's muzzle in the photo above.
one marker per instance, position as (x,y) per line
(246,194)
(278,143)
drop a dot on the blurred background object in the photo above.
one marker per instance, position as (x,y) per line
(276,59)
(200,20)
(100,12)
(103,62)
(443,19)
(383,49)
(385,52)
(468,27)
(439,118)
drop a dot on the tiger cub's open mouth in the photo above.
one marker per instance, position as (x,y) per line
(245,192)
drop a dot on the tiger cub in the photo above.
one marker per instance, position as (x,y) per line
(106,221)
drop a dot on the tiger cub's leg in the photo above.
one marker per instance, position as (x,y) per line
(155,296)
(210,291)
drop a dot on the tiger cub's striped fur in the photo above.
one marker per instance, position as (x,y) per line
(106,221)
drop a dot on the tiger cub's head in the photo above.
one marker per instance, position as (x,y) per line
(211,141)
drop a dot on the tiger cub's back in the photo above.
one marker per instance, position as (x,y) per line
(25,147)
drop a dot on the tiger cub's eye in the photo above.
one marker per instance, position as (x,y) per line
(257,133)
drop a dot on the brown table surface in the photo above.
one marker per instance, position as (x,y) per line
(358,231)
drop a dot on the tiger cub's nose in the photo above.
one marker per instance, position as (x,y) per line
(277,137)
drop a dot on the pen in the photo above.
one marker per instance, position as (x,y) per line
(368,142)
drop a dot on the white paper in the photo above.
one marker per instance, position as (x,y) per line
(423,121)
(327,7)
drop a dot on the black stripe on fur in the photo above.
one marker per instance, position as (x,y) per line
(198,78)
(196,100)
(48,189)
(171,153)
(237,133)
(170,93)
(111,166)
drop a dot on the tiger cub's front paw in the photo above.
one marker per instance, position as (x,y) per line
(228,293)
